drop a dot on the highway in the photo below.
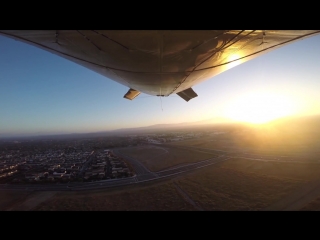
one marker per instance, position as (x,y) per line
(142,175)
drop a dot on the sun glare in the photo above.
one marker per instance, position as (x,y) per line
(232,58)
(260,108)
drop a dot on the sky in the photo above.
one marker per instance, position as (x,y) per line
(41,93)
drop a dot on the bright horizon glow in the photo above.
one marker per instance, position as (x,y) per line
(260,107)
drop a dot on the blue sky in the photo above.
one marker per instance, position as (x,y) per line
(41,93)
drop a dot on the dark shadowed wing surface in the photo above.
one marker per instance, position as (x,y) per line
(159,62)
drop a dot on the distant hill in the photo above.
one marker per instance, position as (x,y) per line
(306,124)
(120,131)
(210,121)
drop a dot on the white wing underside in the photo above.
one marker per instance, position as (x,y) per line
(159,62)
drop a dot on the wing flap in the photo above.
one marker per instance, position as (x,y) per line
(187,94)
(131,94)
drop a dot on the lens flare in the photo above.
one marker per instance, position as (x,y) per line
(260,108)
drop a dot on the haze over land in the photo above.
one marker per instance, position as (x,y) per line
(189,167)
(306,124)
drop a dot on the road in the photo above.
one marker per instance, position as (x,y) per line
(142,174)
(86,164)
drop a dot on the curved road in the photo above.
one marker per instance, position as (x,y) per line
(142,175)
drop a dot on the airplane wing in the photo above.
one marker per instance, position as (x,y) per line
(159,62)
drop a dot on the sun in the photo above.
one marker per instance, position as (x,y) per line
(259,108)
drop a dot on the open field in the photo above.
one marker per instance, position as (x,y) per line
(233,185)
(149,198)
(294,171)
(159,158)
(201,142)
(312,206)
(241,184)
(11,198)
(259,142)
(223,189)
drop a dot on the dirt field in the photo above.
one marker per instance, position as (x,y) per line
(312,206)
(257,143)
(160,158)
(295,171)
(9,198)
(233,185)
(207,142)
(216,188)
(32,201)
(163,197)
